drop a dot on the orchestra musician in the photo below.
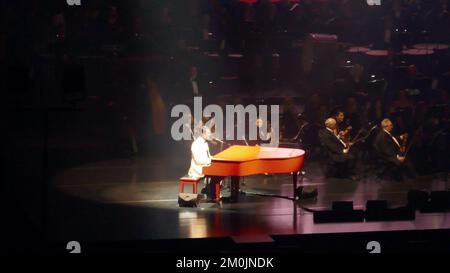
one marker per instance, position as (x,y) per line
(343,129)
(337,150)
(263,136)
(391,152)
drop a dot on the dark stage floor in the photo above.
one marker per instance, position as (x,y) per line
(137,200)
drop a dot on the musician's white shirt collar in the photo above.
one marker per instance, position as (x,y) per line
(331,131)
(393,138)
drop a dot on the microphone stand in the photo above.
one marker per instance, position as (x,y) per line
(245,140)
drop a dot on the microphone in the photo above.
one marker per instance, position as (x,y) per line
(246,143)
(293,7)
(375,126)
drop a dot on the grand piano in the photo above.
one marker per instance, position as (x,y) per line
(237,161)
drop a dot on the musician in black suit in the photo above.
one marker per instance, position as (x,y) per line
(186,86)
(338,152)
(388,152)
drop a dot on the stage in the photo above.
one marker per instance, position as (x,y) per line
(136,200)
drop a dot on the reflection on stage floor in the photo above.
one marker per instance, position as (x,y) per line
(137,200)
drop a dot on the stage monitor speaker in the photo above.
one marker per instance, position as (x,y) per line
(377,210)
(306,192)
(188,200)
(342,206)
(436,201)
(417,199)
(342,212)
(440,200)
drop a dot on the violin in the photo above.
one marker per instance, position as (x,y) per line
(345,134)
(403,143)
(349,143)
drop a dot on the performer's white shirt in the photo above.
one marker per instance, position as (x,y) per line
(200,157)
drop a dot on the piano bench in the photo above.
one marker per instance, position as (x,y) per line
(190,181)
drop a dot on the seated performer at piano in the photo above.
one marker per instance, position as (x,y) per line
(200,156)
(390,151)
(337,151)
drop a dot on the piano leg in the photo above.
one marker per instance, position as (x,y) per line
(294,183)
(234,187)
(217,191)
(214,187)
